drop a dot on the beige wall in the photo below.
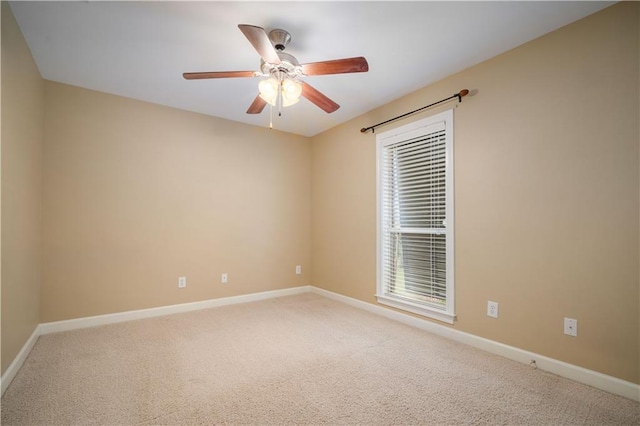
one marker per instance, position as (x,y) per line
(546,195)
(22,110)
(136,195)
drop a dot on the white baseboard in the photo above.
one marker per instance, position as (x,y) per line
(74,324)
(14,367)
(570,371)
(579,374)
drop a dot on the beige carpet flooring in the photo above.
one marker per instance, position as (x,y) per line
(302,360)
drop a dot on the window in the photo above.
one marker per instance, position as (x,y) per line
(415,217)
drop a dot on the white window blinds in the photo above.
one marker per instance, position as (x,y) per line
(414,218)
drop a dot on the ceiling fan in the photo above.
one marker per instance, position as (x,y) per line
(283,86)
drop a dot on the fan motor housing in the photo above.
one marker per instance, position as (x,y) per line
(289,65)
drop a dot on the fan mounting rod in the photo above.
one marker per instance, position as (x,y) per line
(288,65)
(279,38)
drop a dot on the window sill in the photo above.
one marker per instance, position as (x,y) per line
(416,308)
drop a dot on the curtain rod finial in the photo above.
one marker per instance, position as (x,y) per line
(463,92)
(364,130)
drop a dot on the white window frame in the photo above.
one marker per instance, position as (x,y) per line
(397,135)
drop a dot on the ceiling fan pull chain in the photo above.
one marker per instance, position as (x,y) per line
(280,94)
(270,116)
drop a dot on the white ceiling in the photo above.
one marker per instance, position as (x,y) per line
(139,49)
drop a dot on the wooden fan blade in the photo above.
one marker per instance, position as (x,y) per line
(337,66)
(217,74)
(260,41)
(318,98)
(257,105)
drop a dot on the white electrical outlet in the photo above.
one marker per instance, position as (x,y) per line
(298,269)
(224,278)
(182,282)
(571,327)
(492,309)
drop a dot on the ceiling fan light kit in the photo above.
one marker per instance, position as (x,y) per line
(283,85)
(285,90)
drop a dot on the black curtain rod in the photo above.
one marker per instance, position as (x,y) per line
(459,95)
